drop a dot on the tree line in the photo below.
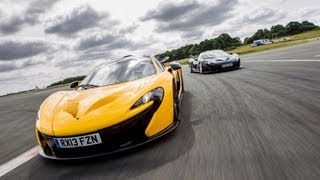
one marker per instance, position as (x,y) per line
(68,80)
(279,31)
(226,42)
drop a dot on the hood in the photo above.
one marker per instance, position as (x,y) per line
(79,111)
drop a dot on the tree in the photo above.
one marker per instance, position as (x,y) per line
(293,27)
(307,26)
(279,30)
(257,35)
(267,34)
(194,50)
(205,45)
(67,80)
(218,43)
(246,40)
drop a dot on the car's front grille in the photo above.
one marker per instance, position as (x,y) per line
(213,67)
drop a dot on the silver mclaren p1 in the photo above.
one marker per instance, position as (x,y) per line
(214,60)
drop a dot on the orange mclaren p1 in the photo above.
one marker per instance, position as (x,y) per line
(119,105)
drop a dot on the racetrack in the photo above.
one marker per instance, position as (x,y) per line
(259,122)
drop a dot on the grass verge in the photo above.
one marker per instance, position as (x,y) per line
(248,49)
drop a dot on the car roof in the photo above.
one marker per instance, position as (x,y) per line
(127,58)
(211,51)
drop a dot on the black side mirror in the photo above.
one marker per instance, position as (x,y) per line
(175,66)
(74,84)
(231,53)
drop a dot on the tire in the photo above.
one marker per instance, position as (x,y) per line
(239,64)
(200,68)
(177,110)
(176,105)
(191,69)
(182,84)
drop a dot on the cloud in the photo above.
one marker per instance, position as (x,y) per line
(167,12)
(308,13)
(80,18)
(29,16)
(129,29)
(258,16)
(187,16)
(11,25)
(36,8)
(196,34)
(94,41)
(7,67)
(15,49)
(105,41)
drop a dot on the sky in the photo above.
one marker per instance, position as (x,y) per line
(44,41)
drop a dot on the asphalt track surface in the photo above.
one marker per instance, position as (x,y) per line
(259,122)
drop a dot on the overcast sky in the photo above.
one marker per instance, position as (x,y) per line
(43,41)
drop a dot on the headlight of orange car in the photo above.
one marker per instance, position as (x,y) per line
(154,95)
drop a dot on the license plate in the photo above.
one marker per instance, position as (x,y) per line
(79,141)
(226,65)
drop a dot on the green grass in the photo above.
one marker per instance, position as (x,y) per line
(291,41)
(246,49)
(184,61)
(306,35)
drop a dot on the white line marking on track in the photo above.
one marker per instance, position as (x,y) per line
(317,55)
(292,60)
(14,163)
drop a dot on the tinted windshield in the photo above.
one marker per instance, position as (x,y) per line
(121,71)
(213,54)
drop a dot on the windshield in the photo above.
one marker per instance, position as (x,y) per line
(213,54)
(121,71)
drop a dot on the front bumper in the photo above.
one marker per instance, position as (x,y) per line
(211,67)
(123,136)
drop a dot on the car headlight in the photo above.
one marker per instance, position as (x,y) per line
(154,95)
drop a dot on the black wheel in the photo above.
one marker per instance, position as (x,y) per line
(200,68)
(176,104)
(177,112)
(239,64)
(182,84)
(191,69)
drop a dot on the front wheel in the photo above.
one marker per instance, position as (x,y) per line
(177,112)
(239,64)
(176,105)
(200,68)
(191,69)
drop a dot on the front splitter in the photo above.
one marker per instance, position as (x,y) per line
(170,128)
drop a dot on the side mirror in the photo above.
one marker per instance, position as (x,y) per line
(74,84)
(231,53)
(175,66)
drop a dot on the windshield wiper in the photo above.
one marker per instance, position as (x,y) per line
(86,86)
